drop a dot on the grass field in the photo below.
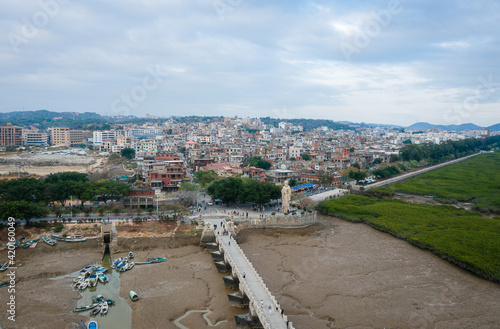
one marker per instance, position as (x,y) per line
(475,180)
(462,237)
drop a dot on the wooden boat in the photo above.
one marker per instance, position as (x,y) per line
(83,284)
(75,238)
(92,325)
(85,308)
(133,295)
(157,259)
(104,308)
(5,283)
(120,262)
(92,280)
(101,298)
(33,245)
(28,243)
(142,263)
(49,241)
(96,310)
(130,255)
(102,278)
(5,266)
(57,237)
(14,244)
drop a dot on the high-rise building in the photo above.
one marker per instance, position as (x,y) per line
(59,136)
(11,135)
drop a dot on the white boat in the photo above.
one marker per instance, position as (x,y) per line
(75,238)
(104,308)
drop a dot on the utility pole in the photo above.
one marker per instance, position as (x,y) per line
(71,205)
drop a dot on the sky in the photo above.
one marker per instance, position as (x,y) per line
(392,62)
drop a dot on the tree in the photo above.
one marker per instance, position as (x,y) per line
(357,175)
(66,176)
(356,165)
(228,190)
(325,179)
(128,153)
(205,177)
(306,156)
(21,210)
(257,162)
(292,182)
(394,158)
(186,186)
(293,159)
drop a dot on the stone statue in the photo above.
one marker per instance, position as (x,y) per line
(286,193)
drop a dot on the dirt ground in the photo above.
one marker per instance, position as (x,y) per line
(187,281)
(346,275)
(43,170)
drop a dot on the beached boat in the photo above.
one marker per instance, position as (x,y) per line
(85,308)
(92,325)
(157,259)
(104,308)
(101,298)
(142,263)
(133,295)
(28,243)
(49,241)
(130,255)
(75,238)
(127,267)
(96,310)
(83,284)
(120,262)
(92,280)
(5,283)
(102,278)
(57,237)
(14,244)
(5,266)
(33,245)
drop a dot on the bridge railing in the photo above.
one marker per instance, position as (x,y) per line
(244,287)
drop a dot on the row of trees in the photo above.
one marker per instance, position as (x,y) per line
(243,189)
(456,148)
(59,187)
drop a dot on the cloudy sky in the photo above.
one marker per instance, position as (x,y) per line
(392,61)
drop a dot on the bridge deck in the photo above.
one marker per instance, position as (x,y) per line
(259,295)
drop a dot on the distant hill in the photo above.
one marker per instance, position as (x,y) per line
(426,126)
(495,127)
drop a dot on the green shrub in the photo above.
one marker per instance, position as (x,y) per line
(58,228)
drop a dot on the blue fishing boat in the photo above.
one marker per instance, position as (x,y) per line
(92,325)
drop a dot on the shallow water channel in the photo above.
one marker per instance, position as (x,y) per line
(120,314)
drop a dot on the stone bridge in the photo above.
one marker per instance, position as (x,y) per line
(264,310)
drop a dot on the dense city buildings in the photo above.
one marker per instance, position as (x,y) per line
(169,151)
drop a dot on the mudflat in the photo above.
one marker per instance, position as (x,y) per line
(339,274)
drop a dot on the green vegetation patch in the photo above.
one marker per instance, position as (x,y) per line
(462,237)
(474,180)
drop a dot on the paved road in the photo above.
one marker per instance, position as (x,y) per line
(273,318)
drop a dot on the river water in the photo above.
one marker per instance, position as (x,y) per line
(120,314)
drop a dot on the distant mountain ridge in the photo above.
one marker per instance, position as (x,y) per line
(426,126)
(45,118)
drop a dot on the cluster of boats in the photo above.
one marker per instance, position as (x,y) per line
(123,264)
(52,240)
(90,276)
(100,304)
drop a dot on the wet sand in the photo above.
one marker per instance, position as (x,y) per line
(333,275)
(187,281)
(345,275)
